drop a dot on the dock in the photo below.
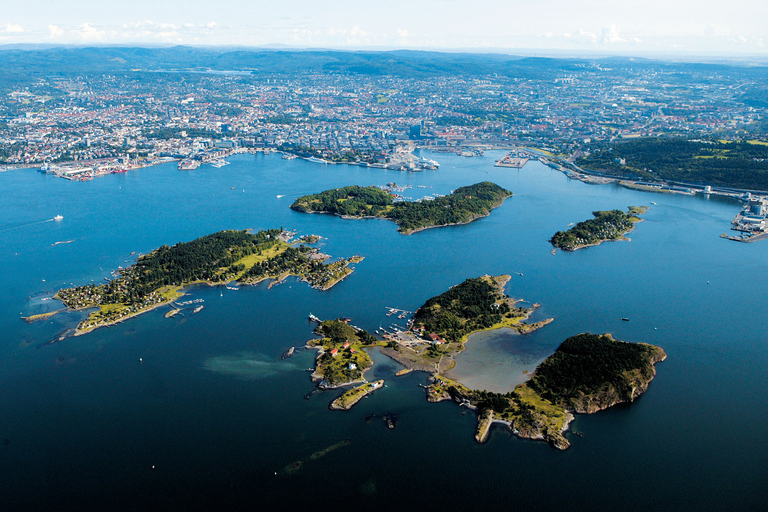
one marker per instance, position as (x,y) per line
(513,160)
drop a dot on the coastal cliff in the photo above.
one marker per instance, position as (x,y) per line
(589,373)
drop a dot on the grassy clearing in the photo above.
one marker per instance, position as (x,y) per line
(170,293)
(512,323)
(442,383)
(252,259)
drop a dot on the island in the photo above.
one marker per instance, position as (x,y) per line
(341,360)
(607,225)
(440,328)
(462,206)
(157,278)
(587,373)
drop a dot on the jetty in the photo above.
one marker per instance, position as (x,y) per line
(354,395)
(513,159)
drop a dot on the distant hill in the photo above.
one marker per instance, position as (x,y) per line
(79,60)
(68,60)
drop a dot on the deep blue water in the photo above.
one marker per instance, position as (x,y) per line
(211,413)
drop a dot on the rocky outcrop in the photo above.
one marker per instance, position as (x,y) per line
(539,427)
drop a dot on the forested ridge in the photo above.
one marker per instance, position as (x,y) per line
(204,258)
(739,164)
(463,205)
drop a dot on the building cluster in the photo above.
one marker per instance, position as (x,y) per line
(122,121)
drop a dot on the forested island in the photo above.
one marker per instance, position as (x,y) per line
(607,225)
(462,206)
(158,277)
(739,164)
(586,374)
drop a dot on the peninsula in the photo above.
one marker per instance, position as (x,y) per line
(607,225)
(586,374)
(440,328)
(157,278)
(462,206)
(354,395)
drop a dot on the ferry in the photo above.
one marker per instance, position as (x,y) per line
(313,318)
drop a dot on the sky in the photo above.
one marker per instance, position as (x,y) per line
(599,26)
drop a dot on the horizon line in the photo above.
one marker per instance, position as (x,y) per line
(560,52)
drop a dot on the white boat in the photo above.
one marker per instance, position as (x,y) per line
(58,217)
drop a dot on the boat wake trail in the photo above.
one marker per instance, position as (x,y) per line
(25,225)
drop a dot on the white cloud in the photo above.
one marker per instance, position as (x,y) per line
(12,28)
(610,35)
(88,32)
(582,36)
(55,32)
(150,25)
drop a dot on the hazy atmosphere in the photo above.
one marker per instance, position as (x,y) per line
(600,26)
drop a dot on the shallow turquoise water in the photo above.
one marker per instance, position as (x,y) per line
(216,413)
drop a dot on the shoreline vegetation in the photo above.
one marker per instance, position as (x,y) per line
(462,206)
(606,226)
(158,278)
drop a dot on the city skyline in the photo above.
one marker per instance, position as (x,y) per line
(601,27)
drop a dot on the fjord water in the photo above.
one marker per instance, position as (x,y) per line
(210,416)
